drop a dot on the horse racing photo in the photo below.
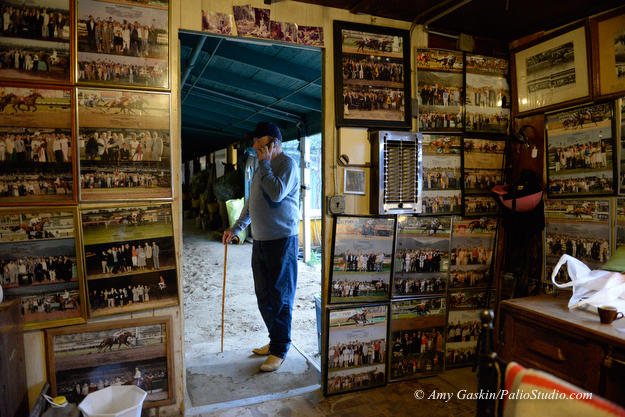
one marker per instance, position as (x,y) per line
(40,267)
(130,258)
(36,146)
(88,358)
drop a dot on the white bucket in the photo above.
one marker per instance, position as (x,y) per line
(114,401)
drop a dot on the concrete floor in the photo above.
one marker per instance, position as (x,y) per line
(397,399)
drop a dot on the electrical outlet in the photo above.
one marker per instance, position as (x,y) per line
(336,204)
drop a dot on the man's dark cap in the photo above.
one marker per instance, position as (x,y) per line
(265,129)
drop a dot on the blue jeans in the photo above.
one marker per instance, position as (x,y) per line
(274,263)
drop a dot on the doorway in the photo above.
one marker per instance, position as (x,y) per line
(230,84)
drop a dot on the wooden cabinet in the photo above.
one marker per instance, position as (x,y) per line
(13,391)
(542,333)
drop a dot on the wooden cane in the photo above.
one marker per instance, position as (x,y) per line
(223,298)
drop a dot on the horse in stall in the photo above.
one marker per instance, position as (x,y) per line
(62,63)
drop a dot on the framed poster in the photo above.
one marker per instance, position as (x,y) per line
(37,147)
(580,151)
(472,248)
(37,50)
(620,223)
(125,43)
(361,330)
(40,265)
(362,259)
(354,181)
(580,228)
(125,144)
(487,102)
(608,49)
(417,338)
(553,71)
(620,122)
(440,90)
(483,168)
(421,256)
(372,76)
(463,330)
(130,259)
(90,357)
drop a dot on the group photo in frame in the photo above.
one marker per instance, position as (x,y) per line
(580,151)
(552,71)
(35,45)
(362,254)
(488,100)
(130,258)
(372,76)
(471,253)
(608,48)
(483,168)
(463,330)
(90,357)
(40,265)
(421,256)
(125,144)
(442,173)
(125,43)
(356,348)
(620,121)
(440,90)
(579,228)
(37,147)
(620,223)
(417,338)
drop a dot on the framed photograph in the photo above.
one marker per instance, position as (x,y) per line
(90,357)
(620,223)
(417,338)
(362,254)
(37,146)
(440,87)
(421,256)
(463,330)
(124,144)
(441,171)
(42,41)
(372,76)
(125,43)
(483,168)
(472,248)
(354,181)
(467,300)
(620,122)
(487,102)
(215,22)
(356,348)
(130,258)
(252,21)
(580,151)
(553,71)
(40,264)
(608,48)
(580,228)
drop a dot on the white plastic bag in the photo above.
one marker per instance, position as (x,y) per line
(591,288)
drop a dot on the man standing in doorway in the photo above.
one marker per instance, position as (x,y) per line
(273,211)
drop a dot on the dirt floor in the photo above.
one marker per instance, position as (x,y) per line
(203,275)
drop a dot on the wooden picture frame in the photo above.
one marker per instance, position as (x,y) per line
(581,228)
(553,71)
(581,156)
(113,121)
(130,258)
(37,145)
(355,82)
(77,355)
(442,175)
(361,275)
(119,61)
(417,338)
(440,90)
(619,117)
(461,343)
(354,181)
(47,45)
(342,374)
(39,247)
(482,169)
(421,256)
(608,50)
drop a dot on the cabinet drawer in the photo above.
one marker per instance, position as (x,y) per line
(564,355)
